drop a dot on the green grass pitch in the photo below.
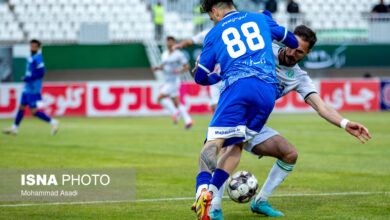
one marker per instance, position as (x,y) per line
(165,157)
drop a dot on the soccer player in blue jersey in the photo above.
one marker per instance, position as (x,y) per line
(32,90)
(242,43)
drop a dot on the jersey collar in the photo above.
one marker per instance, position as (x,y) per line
(230,13)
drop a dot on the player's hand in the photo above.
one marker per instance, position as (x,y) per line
(358,130)
(196,65)
(177,72)
(155,68)
(216,69)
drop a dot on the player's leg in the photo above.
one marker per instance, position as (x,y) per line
(41,115)
(165,100)
(207,165)
(287,155)
(216,203)
(183,112)
(33,100)
(274,145)
(224,125)
(19,116)
(167,103)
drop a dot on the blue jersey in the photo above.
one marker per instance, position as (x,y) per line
(242,43)
(34,73)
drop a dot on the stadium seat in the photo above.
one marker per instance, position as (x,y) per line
(126,15)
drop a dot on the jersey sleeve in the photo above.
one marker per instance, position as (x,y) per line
(306,86)
(199,38)
(281,34)
(206,64)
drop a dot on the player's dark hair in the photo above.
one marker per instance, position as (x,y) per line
(35,41)
(171,38)
(207,5)
(306,34)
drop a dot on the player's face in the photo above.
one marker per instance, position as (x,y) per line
(34,48)
(293,56)
(170,44)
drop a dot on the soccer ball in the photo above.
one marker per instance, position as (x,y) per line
(242,186)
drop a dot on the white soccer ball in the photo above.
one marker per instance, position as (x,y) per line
(242,186)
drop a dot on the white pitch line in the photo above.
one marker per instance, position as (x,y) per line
(186,198)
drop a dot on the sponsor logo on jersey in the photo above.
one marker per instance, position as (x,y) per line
(234,130)
(290,74)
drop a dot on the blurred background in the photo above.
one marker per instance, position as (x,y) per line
(97,44)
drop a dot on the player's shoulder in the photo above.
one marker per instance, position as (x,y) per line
(37,56)
(300,73)
(256,15)
(178,53)
(213,33)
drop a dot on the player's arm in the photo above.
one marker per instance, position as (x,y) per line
(38,71)
(197,39)
(155,68)
(204,68)
(185,68)
(183,44)
(331,115)
(280,33)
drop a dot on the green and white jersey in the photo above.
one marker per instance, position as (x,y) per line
(173,61)
(293,78)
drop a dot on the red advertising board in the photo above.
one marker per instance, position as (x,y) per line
(64,99)
(140,98)
(59,99)
(9,99)
(351,95)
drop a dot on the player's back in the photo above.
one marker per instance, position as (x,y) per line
(243,45)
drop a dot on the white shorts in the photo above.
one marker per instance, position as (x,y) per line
(265,134)
(215,92)
(171,88)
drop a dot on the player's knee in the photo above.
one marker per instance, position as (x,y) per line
(291,156)
(33,111)
(22,107)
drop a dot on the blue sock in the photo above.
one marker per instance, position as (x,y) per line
(203,178)
(42,116)
(219,178)
(19,117)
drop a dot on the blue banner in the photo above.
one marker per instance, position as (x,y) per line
(385,94)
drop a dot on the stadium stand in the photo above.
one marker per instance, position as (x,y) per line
(55,21)
(59,21)
(9,27)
